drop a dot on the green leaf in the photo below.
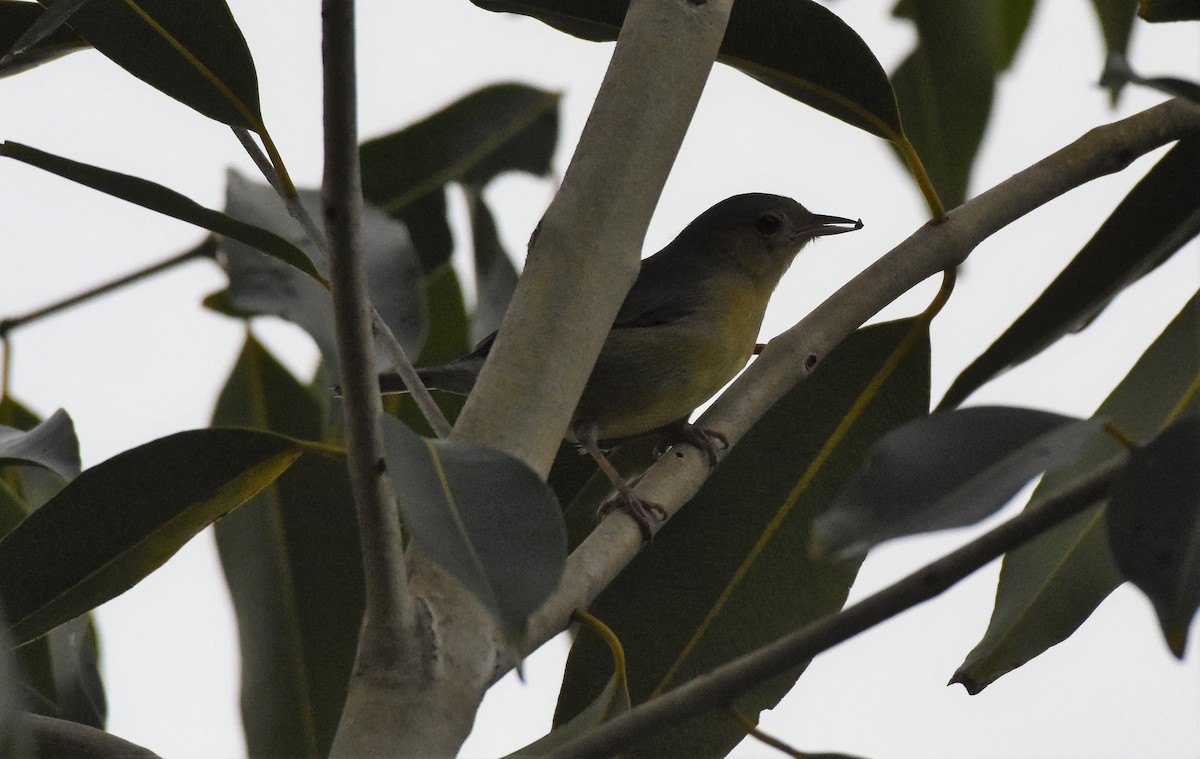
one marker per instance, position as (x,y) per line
(612,702)
(14,737)
(1117,73)
(122,519)
(165,201)
(1116,21)
(500,128)
(192,51)
(291,557)
(795,46)
(1169,10)
(948,470)
(1154,526)
(52,444)
(31,36)
(732,571)
(261,285)
(485,517)
(495,275)
(1049,586)
(945,86)
(1155,219)
(25,487)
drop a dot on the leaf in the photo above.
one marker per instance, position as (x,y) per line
(52,444)
(495,275)
(504,127)
(731,571)
(192,51)
(833,70)
(485,517)
(1116,21)
(1169,10)
(14,737)
(1154,220)
(948,470)
(30,36)
(612,702)
(1154,526)
(122,519)
(1117,73)
(944,88)
(165,201)
(1049,586)
(260,285)
(291,558)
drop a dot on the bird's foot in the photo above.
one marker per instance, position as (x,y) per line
(639,510)
(704,439)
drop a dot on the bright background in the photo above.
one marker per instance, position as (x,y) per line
(149,360)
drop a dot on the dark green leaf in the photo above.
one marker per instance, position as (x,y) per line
(31,36)
(1116,20)
(948,470)
(1049,586)
(292,561)
(945,86)
(1118,73)
(14,738)
(52,444)
(192,51)
(1154,220)
(795,46)
(732,570)
(165,201)
(495,275)
(483,516)
(261,285)
(120,520)
(425,218)
(1169,10)
(499,128)
(1154,526)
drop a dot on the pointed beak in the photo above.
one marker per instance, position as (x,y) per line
(818,225)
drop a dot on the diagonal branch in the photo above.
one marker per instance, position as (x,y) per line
(791,357)
(722,685)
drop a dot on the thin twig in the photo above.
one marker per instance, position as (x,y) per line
(722,685)
(206,249)
(389,620)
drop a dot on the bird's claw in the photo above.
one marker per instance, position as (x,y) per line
(705,440)
(639,510)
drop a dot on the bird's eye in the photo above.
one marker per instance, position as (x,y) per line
(768,224)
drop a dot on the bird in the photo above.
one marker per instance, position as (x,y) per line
(688,325)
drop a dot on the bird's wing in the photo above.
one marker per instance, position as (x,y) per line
(661,294)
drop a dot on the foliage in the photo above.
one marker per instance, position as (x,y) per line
(841,463)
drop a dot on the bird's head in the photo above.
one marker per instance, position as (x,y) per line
(758,234)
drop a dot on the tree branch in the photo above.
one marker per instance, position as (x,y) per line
(585,253)
(389,654)
(720,686)
(790,358)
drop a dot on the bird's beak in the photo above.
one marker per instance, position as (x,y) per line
(817,225)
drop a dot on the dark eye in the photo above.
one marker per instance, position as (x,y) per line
(768,224)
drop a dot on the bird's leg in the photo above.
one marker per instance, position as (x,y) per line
(704,439)
(639,509)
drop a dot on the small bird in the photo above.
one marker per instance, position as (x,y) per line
(688,325)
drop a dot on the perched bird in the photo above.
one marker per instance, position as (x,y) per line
(688,325)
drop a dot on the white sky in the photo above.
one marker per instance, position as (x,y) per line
(149,361)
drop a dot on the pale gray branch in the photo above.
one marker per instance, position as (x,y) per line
(789,358)
(585,254)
